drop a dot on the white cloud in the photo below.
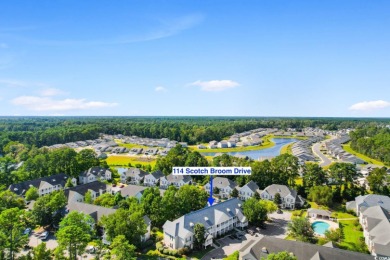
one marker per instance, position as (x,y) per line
(20,83)
(215,85)
(160,89)
(49,92)
(370,105)
(49,104)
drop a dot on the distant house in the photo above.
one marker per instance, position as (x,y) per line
(150,151)
(213,144)
(153,179)
(248,190)
(225,186)
(133,176)
(231,144)
(95,174)
(201,146)
(217,219)
(183,144)
(361,203)
(289,197)
(223,144)
(77,193)
(130,190)
(175,180)
(44,185)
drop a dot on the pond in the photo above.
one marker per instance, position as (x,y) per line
(265,153)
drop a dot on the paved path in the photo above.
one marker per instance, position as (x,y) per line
(324,160)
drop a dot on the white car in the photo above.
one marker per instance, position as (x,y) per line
(44,235)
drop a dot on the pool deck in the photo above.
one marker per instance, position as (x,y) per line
(332,225)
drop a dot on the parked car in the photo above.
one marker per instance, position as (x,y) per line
(27,231)
(44,235)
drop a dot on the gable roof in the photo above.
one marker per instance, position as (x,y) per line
(178,178)
(283,190)
(222,182)
(96,171)
(135,172)
(207,216)
(157,174)
(96,186)
(56,179)
(132,190)
(303,251)
(370,200)
(96,212)
(252,186)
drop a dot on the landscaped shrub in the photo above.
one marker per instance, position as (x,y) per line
(155,229)
(165,251)
(158,245)
(153,253)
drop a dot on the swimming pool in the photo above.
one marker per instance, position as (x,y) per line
(320,227)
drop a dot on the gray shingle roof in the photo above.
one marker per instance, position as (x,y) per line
(96,171)
(96,212)
(319,211)
(135,172)
(222,182)
(252,186)
(157,174)
(303,251)
(96,186)
(373,200)
(207,216)
(178,178)
(283,190)
(22,187)
(132,190)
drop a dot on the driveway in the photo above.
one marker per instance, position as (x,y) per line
(277,227)
(325,161)
(228,247)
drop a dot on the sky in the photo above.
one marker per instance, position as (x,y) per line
(195,58)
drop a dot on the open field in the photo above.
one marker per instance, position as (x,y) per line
(348,148)
(119,160)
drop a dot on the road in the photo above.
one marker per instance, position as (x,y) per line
(325,161)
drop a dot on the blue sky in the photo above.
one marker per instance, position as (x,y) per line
(195,58)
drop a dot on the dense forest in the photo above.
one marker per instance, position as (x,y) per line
(42,131)
(373,142)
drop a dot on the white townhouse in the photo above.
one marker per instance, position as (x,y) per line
(95,174)
(153,179)
(374,216)
(289,197)
(217,219)
(133,176)
(248,190)
(45,185)
(77,193)
(225,186)
(175,180)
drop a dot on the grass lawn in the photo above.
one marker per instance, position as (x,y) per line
(286,149)
(348,148)
(199,254)
(125,160)
(352,236)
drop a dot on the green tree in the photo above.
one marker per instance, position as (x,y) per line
(277,199)
(334,235)
(32,193)
(321,195)
(86,159)
(300,228)
(41,252)
(288,166)
(129,223)
(234,256)
(69,183)
(199,235)
(122,249)
(105,200)
(377,181)
(234,193)
(270,206)
(254,211)
(75,232)
(170,211)
(12,224)
(284,255)
(9,200)
(313,175)
(46,209)
(190,198)
(152,206)
(88,197)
